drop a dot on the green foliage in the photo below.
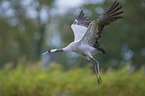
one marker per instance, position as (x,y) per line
(39,81)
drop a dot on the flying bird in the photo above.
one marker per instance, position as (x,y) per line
(87,34)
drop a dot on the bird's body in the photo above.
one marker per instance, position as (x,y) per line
(88,33)
(81,49)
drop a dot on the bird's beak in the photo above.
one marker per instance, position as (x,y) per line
(45,53)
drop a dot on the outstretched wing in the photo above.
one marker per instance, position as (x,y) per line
(94,32)
(80,26)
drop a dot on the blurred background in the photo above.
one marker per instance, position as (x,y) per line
(30,27)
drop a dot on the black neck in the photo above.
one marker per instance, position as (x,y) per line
(59,50)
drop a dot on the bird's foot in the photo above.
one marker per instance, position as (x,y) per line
(99,82)
(100,79)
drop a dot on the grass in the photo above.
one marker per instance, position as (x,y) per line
(53,81)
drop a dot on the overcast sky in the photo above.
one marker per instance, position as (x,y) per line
(64,5)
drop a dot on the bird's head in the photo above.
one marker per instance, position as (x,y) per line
(49,51)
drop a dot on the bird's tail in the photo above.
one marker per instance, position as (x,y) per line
(101,50)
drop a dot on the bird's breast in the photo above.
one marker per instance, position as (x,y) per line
(83,49)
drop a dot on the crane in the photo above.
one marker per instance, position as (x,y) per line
(88,33)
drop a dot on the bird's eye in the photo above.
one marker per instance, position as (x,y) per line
(49,50)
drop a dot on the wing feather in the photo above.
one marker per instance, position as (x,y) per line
(79,31)
(82,20)
(80,26)
(95,29)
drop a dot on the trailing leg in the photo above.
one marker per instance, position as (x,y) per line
(98,68)
(99,82)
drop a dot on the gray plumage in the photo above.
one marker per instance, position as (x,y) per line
(88,33)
